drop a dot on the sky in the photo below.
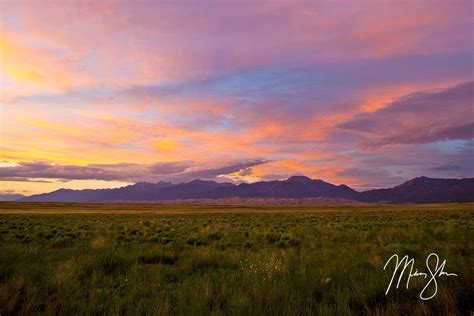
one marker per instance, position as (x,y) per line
(100,94)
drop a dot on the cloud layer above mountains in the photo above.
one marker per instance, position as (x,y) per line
(367,93)
(176,172)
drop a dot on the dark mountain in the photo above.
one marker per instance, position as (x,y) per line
(141,191)
(136,192)
(424,190)
(294,187)
(10,197)
(418,190)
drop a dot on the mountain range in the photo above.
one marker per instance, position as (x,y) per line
(417,190)
(10,197)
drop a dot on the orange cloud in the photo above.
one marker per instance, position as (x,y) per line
(164,145)
(14,62)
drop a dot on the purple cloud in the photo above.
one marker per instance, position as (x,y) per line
(446,167)
(178,171)
(421,117)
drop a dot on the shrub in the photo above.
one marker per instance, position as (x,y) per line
(62,242)
(272,237)
(157,258)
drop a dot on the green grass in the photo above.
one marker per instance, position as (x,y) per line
(200,260)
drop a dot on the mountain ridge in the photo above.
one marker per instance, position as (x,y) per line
(417,190)
(6,197)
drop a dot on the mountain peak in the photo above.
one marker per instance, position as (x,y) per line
(421,178)
(300,179)
(415,181)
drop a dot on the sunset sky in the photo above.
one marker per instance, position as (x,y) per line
(107,93)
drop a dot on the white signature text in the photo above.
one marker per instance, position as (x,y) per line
(435,270)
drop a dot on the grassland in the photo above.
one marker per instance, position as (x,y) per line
(199,260)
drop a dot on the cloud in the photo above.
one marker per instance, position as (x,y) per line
(213,173)
(372,178)
(171,167)
(445,167)
(417,118)
(199,86)
(166,42)
(178,171)
(24,179)
(245,172)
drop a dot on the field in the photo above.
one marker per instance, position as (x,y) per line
(199,260)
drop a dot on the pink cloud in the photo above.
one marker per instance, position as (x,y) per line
(420,117)
(163,43)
